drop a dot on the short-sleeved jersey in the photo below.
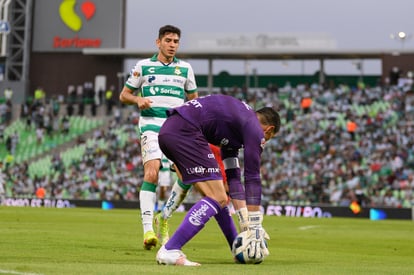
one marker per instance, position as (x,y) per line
(165,84)
(231,124)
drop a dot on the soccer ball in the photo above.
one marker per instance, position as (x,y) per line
(240,253)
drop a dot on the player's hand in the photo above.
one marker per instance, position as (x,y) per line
(263,245)
(143,103)
(258,246)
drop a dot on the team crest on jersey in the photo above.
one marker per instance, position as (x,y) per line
(177,71)
(135,74)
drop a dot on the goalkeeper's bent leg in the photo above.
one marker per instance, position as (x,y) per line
(226,223)
(193,222)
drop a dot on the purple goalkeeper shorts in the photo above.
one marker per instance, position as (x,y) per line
(185,145)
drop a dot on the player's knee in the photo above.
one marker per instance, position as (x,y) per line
(222,200)
(151,176)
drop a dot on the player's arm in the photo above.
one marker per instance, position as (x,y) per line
(193,95)
(252,180)
(190,85)
(232,171)
(249,216)
(236,190)
(127,96)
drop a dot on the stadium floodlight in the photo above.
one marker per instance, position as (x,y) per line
(401,36)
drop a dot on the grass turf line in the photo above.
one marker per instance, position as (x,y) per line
(95,241)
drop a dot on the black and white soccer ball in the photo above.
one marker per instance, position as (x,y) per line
(241,251)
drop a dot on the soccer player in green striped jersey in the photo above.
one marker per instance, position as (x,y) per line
(156,84)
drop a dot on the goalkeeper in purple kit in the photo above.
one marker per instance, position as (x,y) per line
(184,138)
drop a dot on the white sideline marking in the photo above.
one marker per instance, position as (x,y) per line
(2,271)
(308,227)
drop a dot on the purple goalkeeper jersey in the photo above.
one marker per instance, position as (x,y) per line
(231,124)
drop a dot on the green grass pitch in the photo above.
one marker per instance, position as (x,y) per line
(94,241)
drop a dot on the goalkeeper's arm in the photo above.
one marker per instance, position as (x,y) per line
(236,189)
(248,216)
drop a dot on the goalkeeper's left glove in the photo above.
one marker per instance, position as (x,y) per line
(243,219)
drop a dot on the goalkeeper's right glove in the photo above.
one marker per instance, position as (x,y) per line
(257,243)
(259,236)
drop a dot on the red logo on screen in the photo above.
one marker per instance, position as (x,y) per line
(74,22)
(70,18)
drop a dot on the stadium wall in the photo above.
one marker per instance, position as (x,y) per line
(308,211)
(56,71)
(224,79)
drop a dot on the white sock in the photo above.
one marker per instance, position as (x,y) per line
(147,201)
(160,204)
(176,197)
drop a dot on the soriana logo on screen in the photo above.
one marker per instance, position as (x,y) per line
(73,25)
(75,21)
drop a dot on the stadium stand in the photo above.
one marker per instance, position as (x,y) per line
(313,160)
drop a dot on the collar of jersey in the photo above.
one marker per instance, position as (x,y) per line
(155,58)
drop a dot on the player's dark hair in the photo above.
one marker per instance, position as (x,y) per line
(168,29)
(268,116)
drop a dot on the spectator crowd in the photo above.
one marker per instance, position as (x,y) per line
(337,145)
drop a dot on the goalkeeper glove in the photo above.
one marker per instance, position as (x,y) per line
(258,236)
(257,244)
(243,219)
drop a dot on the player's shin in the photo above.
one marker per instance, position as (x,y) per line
(147,198)
(195,220)
(177,196)
(225,221)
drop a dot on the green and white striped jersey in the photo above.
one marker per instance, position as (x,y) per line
(165,84)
